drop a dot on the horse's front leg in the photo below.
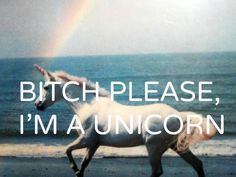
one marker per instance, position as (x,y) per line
(86,159)
(194,161)
(77,144)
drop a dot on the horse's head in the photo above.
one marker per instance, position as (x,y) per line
(45,99)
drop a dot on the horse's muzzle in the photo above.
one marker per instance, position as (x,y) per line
(39,106)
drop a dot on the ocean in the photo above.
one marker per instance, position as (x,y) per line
(220,68)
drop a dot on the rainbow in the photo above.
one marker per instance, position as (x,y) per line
(69,24)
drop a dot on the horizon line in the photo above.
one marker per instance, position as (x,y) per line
(127,54)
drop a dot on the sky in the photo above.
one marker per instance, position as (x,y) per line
(50,28)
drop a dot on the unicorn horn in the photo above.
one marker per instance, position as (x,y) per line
(40,69)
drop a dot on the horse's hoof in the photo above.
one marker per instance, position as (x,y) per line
(79,174)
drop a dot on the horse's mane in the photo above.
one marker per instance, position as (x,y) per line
(89,84)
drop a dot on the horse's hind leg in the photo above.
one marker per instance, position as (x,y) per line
(155,154)
(194,161)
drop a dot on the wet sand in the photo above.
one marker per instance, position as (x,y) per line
(216,166)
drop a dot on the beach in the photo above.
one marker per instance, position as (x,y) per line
(217,166)
(42,160)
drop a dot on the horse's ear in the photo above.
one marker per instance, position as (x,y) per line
(40,69)
(50,76)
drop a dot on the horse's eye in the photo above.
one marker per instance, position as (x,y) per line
(45,87)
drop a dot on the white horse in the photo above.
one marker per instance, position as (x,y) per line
(86,110)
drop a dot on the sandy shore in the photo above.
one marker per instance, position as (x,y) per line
(217,166)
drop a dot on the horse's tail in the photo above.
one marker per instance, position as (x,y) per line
(205,132)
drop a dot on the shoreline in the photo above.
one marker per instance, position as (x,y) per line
(26,149)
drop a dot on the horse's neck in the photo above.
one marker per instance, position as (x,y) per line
(78,106)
